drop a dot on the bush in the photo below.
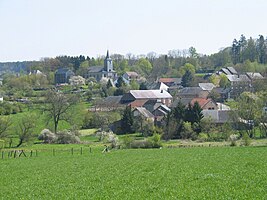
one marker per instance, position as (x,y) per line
(233,138)
(203,137)
(109,137)
(246,140)
(47,136)
(67,137)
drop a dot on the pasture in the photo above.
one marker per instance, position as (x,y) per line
(178,173)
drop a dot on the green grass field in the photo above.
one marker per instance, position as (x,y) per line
(178,173)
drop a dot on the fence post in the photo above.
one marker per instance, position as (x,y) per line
(81,150)
(90,150)
(15,153)
(53,152)
(71,151)
(2,155)
(31,154)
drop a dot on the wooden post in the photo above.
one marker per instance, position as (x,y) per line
(15,153)
(2,155)
(90,150)
(71,151)
(31,154)
(81,151)
(53,152)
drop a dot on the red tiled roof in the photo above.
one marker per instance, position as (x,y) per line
(201,101)
(166,80)
(137,103)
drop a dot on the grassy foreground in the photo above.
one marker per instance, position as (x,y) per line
(180,173)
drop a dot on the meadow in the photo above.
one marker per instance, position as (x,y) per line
(167,173)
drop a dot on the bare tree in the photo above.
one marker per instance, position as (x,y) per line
(58,106)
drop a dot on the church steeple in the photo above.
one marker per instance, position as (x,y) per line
(108,66)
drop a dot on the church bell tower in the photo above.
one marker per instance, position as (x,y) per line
(108,66)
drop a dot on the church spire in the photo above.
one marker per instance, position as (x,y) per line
(107,54)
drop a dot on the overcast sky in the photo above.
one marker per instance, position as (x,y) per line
(32,29)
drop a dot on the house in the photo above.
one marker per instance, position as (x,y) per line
(161,95)
(206,86)
(157,86)
(99,72)
(171,81)
(63,75)
(238,84)
(36,72)
(130,76)
(254,76)
(205,104)
(143,112)
(227,71)
(186,94)
(160,113)
(217,116)
(223,93)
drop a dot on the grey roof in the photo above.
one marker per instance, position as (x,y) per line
(190,90)
(226,71)
(144,112)
(112,100)
(155,85)
(206,86)
(232,70)
(184,101)
(221,90)
(150,94)
(95,69)
(255,75)
(238,78)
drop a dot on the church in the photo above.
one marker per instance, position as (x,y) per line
(100,72)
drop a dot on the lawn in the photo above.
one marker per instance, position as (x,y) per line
(168,173)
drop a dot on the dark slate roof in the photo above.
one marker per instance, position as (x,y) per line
(221,90)
(144,112)
(153,86)
(190,90)
(112,100)
(95,69)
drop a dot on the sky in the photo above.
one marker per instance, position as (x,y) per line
(34,29)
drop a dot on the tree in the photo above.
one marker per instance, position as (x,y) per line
(262,50)
(5,124)
(127,120)
(187,79)
(58,105)
(224,82)
(120,82)
(25,128)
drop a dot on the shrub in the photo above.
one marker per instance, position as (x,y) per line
(109,137)
(67,137)
(246,140)
(47,136)
(233,138)
(203,137)
(155,141)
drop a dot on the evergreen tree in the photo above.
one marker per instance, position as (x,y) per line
(262,49)
(187,79)
(120,82)
(109,84)
(127,120)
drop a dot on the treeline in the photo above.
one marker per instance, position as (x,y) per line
(245,54)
